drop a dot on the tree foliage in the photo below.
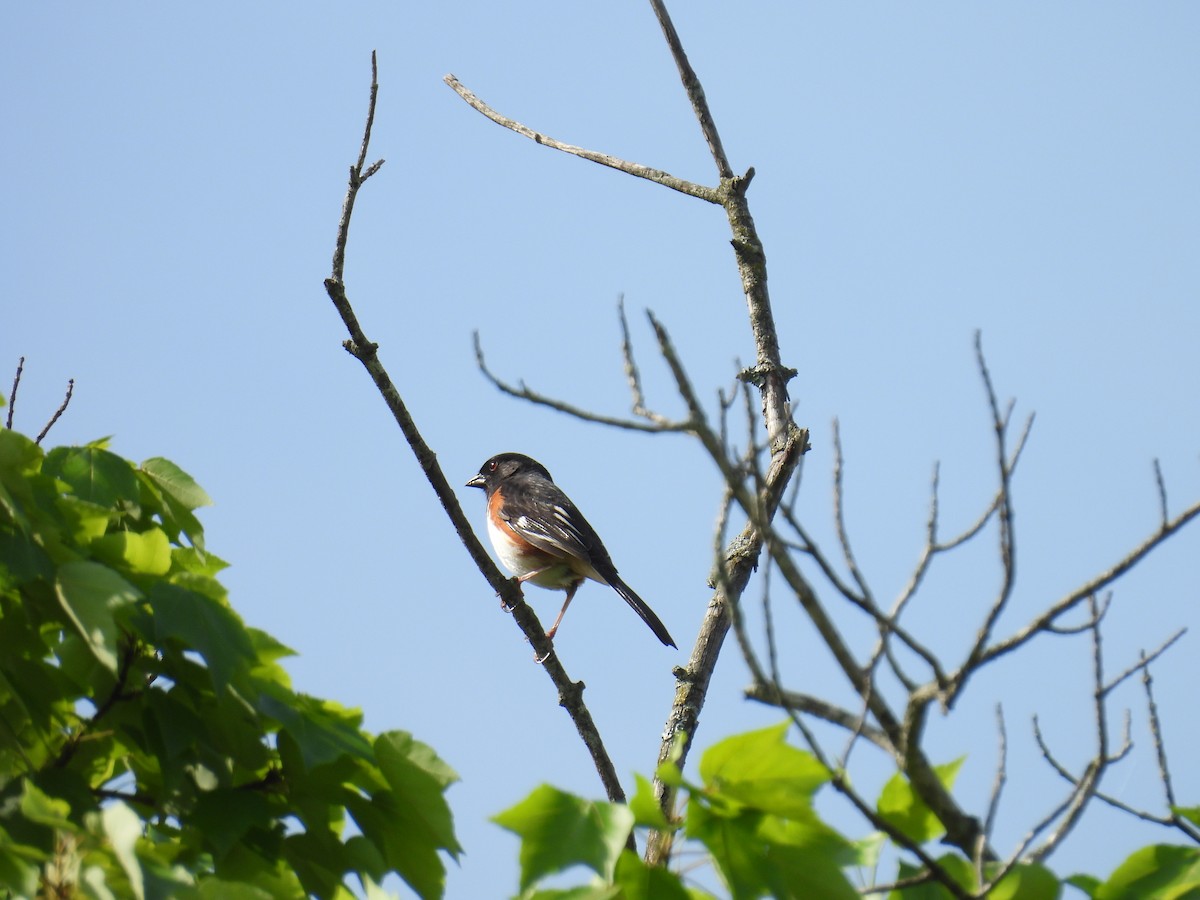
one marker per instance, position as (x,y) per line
(151,744)
(752,817)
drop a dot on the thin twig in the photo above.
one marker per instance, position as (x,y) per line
(1043,622)
(523,392)
(839,518)
(998,783)
(632,375)
(1005,514)
(12,397)
(1143,662)
(712,195)
(773,695)
(1162,492)
(62,408)
(1160,747)
(358,175)
(695,92)
(1087,786)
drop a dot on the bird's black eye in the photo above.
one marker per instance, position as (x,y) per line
(491,467)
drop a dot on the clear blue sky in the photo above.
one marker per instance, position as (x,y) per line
(172,177)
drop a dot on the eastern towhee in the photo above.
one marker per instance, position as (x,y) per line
(541,537)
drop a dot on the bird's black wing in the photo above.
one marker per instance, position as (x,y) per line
(540,512)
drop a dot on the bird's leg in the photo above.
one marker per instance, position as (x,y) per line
(553,628)
(571,589)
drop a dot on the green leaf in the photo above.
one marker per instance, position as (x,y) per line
(20,867)
(759,854)
(22,559)
(419,778)
(396,830)
(639,881)
(40,807)
(1027,882)
(174,481)
(202,623)
(760,769)
(92,595)
(94,474)
(147,553)
(173,496)
(1160,871)
(558,830)
(123,828)
(85,521)
(224,816)
(956,867)
(219,889)
(1086,883)
(902,808)
(19,459)
(868,849)
(645,808)
(323,730)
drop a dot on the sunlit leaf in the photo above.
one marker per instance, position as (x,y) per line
(1159,871)
(645,808)
(639,881)
(558,830)
(123,828)
(761,770)
(1026,882)
(146,553)
(902,808)
(174,481)
(94,474)
(92,595)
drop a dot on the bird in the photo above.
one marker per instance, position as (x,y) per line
(541,537)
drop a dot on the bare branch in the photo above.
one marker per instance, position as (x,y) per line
(1162,493)
(357,176)
(809,548)
(657,424)
(12,396)
(839,518)
(990,511)
(62,408)
(1160,747)
(632,375)
(1007,546)
(1164,771)
(695,92)
(773,695)
(1043,622)
(998,783)
(570,693)
(1144,662)
(712,195)
(1086,787)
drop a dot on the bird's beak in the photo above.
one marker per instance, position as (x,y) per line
(477,481)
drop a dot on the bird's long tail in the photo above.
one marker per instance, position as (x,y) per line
(640,607)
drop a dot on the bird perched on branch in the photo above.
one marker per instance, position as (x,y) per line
(542,538)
